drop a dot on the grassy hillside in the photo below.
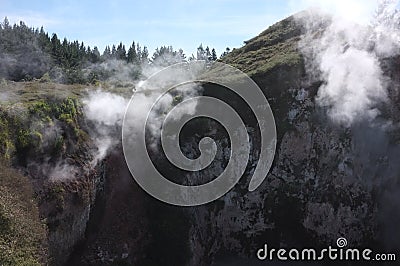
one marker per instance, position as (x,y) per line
(39,121)
(273,60)
(22,234)
(273,48)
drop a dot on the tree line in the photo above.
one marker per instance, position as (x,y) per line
(31,53)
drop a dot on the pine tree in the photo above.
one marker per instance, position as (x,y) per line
(132,55)
(208,54)
(81,50)
(107,53)
(56,49)
(113,52)
(144,58)
(44,41)
(213,55)
(6,24)
(121,52)
(139,51)
(201,53)
(95,55)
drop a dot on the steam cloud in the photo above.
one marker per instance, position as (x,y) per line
(347,54)
(347,51)
(105,110)
(117,71)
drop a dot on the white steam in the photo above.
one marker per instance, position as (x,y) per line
(346,55)
(354,84)
(116,72)
(61,171)
(358,11)
(105,110)
(162,104)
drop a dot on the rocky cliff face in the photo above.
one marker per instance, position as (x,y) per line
(68,208)
(327,180)
(45,137)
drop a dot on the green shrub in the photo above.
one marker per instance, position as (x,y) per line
(45,77)
(7,147)
(23,139)
(41,109)
(58,146)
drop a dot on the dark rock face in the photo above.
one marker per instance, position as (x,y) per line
(68,214)
(327,181)
(117,229)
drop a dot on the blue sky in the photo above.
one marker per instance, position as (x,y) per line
(180,23)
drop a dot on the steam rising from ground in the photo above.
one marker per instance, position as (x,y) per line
(115,71)
(346,56)
(346,51)
(105,110)
(104,107)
